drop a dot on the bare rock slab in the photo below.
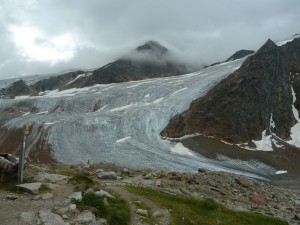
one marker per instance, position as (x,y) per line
(49,218)
(76,195)
(32,188)
(27,218)
(107,175)
(48,177)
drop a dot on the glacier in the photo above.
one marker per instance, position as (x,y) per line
(125,129)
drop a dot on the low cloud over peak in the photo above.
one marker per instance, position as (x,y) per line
(50,36)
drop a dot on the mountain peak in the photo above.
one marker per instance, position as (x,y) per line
(153,47)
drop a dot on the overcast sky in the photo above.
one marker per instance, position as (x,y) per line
(46,36)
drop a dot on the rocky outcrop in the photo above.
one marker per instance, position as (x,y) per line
(19,88)
(56,82)
(241,106)
(147,61)
(239,54)
(291,51)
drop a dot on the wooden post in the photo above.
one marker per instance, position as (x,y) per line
(22,155)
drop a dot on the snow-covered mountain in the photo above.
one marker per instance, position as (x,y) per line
(118,123)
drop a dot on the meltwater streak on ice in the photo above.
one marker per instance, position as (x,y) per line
(137,109)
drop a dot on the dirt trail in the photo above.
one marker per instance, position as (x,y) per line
(130,198)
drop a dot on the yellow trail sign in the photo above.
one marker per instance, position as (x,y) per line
(27,128)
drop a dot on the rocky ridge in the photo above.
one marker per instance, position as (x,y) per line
(235,192)
(146,61)
(247,102)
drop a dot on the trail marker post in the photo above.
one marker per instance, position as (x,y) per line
(22,155)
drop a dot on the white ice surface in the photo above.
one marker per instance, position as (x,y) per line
(181,150)
(280,172)
(140,111)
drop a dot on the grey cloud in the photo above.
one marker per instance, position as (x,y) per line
(201,31)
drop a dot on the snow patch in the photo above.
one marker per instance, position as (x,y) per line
(80,75)
(123,107)
(280,172)
(136,85)
(22,97)
(182,89)
(101,108)
(158,100)
(42,113)
(265,144)
(123,139)
(147,96)
(181,150)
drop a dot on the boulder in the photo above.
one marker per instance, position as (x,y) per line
(259,200)
(32,188)
(85,217)
(47,177)
(241,182)
(47,196)
(107,175)
(201,170)
(76,195)
(27,218)
(104,193)
(49,218)
(142,212)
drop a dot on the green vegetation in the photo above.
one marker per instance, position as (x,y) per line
(82,182)
(188,211)
(116,211)
(44,189)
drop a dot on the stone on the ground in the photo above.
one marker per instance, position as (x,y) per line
(148,176)
(157,213)
(49,218)
(99,222)
(158,183)
(107,175)
(76,195)
(241,182)
(27,218)
(72,207)
(12,196)
(32,188)
(142,212)
(104,193)
(47,196)
(201,170)
(85,217)
(297,216)
(47,177)
(99,170)
(259,200)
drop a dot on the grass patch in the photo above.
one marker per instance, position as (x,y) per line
(44,189)
(188,211)
(11,187)
(116,212)
(82,182)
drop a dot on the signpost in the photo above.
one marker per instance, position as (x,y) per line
(22,155)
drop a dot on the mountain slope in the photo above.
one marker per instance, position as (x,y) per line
(244,104)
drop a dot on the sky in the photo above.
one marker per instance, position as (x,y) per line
(52,36)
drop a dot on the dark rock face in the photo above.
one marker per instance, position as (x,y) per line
(291,51)
(239,54)
(19,88)
(239,108)
(57,82)
(147,61)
